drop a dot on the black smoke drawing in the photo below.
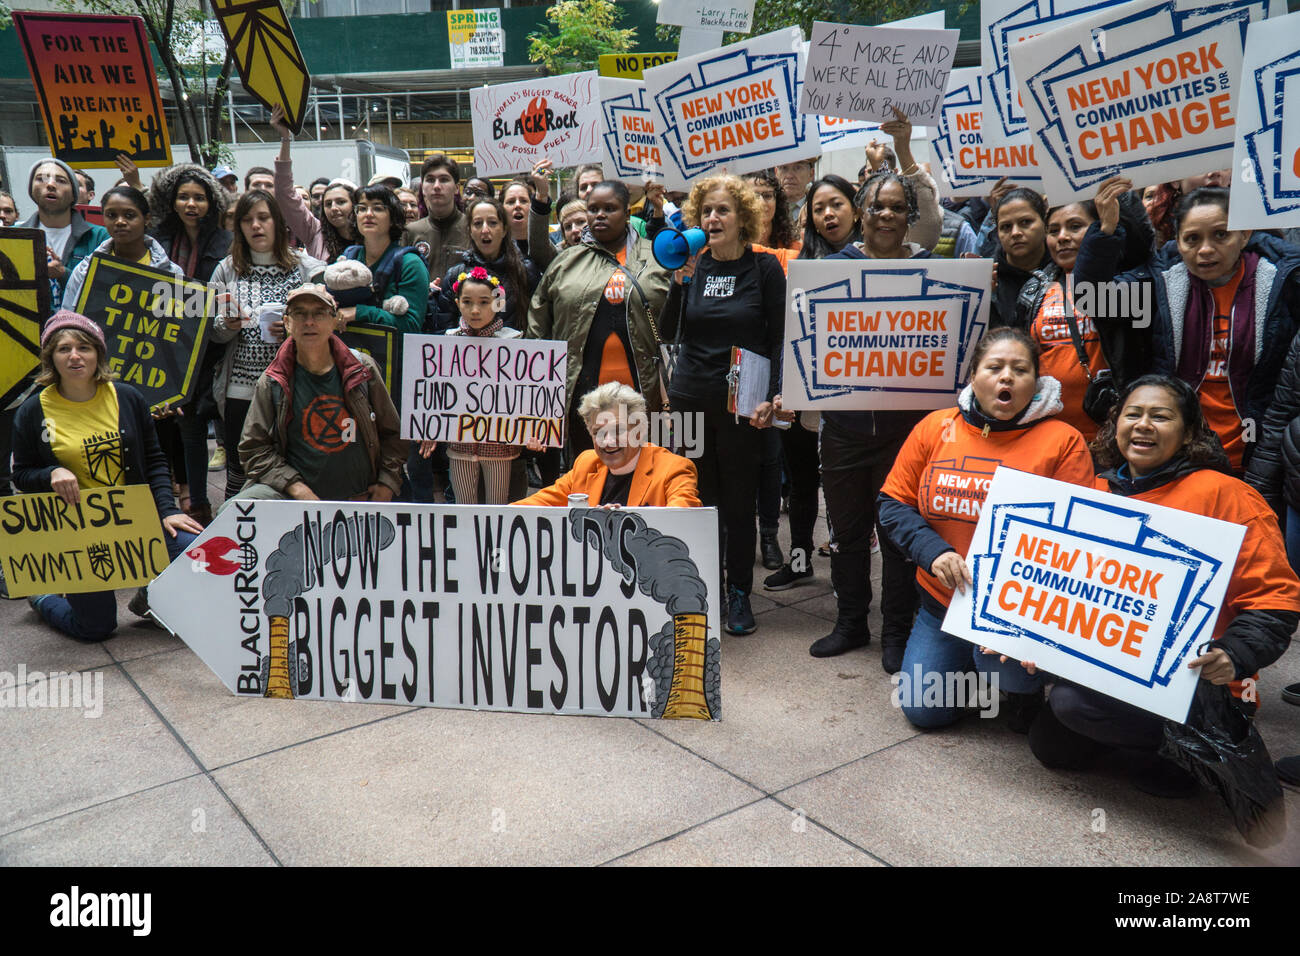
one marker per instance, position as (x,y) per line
(285,581)
(665,572)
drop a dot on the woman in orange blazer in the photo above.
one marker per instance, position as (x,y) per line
(622,470)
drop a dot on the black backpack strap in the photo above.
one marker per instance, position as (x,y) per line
(1067,308)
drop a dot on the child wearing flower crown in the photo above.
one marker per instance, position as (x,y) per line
(480,297)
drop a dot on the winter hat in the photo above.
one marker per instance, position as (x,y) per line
(72,177)
(67,319)
(348,281)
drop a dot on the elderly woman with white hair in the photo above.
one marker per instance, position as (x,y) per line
(622,470)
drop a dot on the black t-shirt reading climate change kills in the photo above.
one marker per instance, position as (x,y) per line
(324,444)
(739,302)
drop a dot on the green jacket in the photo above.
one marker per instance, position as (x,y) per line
(565,304)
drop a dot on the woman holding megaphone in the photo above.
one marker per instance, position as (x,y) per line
(726,296)
(601,296)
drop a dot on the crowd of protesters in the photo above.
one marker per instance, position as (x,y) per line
(1197,408)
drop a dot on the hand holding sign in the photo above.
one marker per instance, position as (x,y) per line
(900,128)
(952,570)
(1107,201)
(1216,666)
(64,484)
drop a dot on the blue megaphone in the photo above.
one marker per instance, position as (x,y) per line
(672,248)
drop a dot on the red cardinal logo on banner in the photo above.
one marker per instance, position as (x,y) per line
(212,554)
(533,121)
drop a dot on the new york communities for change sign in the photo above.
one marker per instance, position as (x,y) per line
(734,108)
(533,610)
(1266,155)
(864,334)
(1148,90)
(1108,592)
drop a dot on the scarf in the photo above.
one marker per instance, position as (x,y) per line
(1198,330)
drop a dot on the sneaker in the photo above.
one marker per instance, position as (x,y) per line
(1291,693)
(839,641)
(218,461)
(740,619)
(1161,778)
(139,605)
(787,577)
(1021,709)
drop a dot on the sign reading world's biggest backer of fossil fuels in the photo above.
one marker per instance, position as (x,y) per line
(519,124)
(534,610)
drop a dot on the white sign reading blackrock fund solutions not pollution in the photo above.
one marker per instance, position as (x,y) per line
(734,108)
(1148,90)
(516,125)
(881,333)
(866,73)
(533,610)
(1266,154)
(1109,592)
(460,388)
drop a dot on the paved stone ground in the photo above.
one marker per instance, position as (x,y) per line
(811,766)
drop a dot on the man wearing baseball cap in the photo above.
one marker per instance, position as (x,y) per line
(226,176)
(321,425)
(69,238)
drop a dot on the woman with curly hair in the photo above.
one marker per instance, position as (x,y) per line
(189,208)
(491,249)
(778,233)
(728,296)
(1159,448)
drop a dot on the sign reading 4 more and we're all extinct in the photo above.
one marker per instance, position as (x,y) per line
(1148,90)
(879,333)
(865,73)
(460,388)
(1111,593)
(111,538)
(155,325)
(734,108)
(534,610)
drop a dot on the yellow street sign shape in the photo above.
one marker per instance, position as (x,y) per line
(265,52)
(24,304)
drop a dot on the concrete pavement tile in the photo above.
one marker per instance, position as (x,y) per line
(787,715)
(30,642)
(220,727)
(69,760)
(462,787)
(139,639)
(974,795)
(186,823)
(761,834)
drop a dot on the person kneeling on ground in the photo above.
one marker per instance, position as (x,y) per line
(80,410)
(321,426)
(622,469)
(1158,447)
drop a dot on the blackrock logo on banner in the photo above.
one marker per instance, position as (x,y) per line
(535,122)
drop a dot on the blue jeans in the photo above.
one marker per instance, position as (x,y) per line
(93,617)
(931,650)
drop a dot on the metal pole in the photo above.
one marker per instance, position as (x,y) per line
(315,99)
(338,91)
(230,105)
(388,105)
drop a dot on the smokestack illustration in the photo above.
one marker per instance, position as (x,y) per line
(285,581)
(684,662)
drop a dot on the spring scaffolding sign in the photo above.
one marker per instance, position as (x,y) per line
(531,610)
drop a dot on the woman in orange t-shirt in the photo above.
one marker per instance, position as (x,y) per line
(931,501)
(1159,448)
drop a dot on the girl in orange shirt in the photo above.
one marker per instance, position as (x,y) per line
(1159,447)
(931,501)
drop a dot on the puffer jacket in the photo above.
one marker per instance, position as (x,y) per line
(265,439)
(1277,310)
(1274,469)
(565,304)
(157,258)
(214,241)
(443,313)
